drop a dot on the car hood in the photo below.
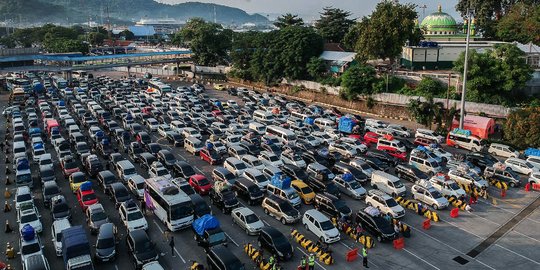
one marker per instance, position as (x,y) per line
(147,255)
(105,251)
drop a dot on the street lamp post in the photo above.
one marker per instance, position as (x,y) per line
(465,67)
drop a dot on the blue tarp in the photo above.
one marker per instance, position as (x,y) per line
(105,141)
(346,125)
(22,164)
(34,131)
(348,177)
(309,121)
(421,148)
(39,88)
(28,233)
(61,103)
(38,146)
(74,243)
(532,152)
(206,222)
(100,134)
(281,181)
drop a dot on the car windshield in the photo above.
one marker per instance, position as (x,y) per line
(143,247)
(82,148)
(60,208)
(47,173)
(529,165)
(241,166)
(327,225)
(203,182)
(391,203)
(30,249)
(162,172)
(365,166)
(260,178)
(28,218)
(435,194)
(273,158)
(51,190)
(251,218)
(70,164)
(201,208)
(454,186)
(306,190)
(292,196)
(105,243)
(136,215)
(78,178)
(355,185)
(181,210)
(24,197)
(98,216)
(89,197)
(397,184)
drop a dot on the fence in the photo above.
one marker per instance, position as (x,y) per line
(19,51)
(403,100)
(155,71)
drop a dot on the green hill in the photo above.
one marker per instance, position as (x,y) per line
(70,11)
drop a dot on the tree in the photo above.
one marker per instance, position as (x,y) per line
(96,38)
(358,80)
(384,33)
(244,47)
(64,45)
(128,35)
(287,20)
(425,113)
(208,41)
(494,75)
(430,87)
(522,127)
(333,24)
(520,24)
(353,34)
(316,67)
(489,12)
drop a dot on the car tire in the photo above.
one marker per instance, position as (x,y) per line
(266,211)
(379,238)
(435,206)
(247,231)
(259,243)
(283,221)
(512,184)
(306,226)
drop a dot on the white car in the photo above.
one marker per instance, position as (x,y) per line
(320,225)
(31,217)
(467,177)
(187,132)
(152,124)
(231,140)
(362,166)
(252,162)
(289,157)
(520,166)
(268,158)
(333,133)
(534,178)
(257,177)
(157,169)
(343,149)
(247,220)
(235,166)
(56,232)
(313,141)
(446,187)
(384,203)
(355,144)
(163,129)
(325,138)
(430,196)
(132,217)
(23,195)
(441,153)
(399,130)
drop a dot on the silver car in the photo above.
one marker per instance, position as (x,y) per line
(95,217)
(247,220)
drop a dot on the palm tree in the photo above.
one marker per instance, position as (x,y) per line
(288,20)
(427,112)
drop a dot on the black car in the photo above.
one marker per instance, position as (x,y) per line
(105,179)
(210,238)
(153,148)
(481,160)
(93,165)
(119,193)
(222,258)
(376,164)
(134,151)
(410,173)
(182,169)
(248,190)
(200,207)
(225,200)
(382,156)
(49,190)
(273,240)
(271,148)
(141,248)
(146,159)
(376,226)
(251,148)
(222,174)
(313,156)
(175,138)
(342,168)
(331,205)
(166,158)
(295,172)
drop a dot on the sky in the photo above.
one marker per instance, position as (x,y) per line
(309,9)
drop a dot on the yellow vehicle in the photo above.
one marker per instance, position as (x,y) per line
(76,179)
(219,86)
(304,191)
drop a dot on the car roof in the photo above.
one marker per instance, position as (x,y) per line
(244,211)
(106,231)
(138,235)
(271,231)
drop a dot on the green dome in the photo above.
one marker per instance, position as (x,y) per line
(439,23)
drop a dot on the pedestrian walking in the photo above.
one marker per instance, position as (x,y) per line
(468,208)
(396,229)
(311,261)
(166,234)
(364,257)
(420,207)
(171,244)
(143,207)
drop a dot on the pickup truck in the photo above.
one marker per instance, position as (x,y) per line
(207,232)
(76,249)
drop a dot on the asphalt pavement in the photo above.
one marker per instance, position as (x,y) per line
(435,248)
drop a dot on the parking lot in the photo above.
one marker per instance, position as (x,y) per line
(469,236)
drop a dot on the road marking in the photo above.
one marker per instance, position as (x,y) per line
(301,250)
(434,267)
(199,170)
(455,249)
(345,245)
(116,267)
(264,221)
(231,239)
(182,157)
(534,239)
(161,230)
(527,258)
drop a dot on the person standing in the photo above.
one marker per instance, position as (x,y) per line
(302,263)
(311,261)
(271,260)
(143,206)
(364,257)
(171,244)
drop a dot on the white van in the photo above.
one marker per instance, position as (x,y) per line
(19,150)
(387,142)
(425,164)
(321,226)
(193,145)
(388,183)
(428,134)
(444,185)
(384,203)
(502,150)
(324,123)
(430,196)
(263,117)
(288,194)
(374,124)
(125,170)
(257,128)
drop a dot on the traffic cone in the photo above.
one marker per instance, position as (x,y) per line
(7,194)
(7,207)
(8,228)
(8,182)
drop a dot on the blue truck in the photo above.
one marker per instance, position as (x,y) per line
(76,249)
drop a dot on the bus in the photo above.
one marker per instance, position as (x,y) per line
(158,88)
(170,205)
(17,96)
(59,83)
(464,139)
(283,135)
(14,83)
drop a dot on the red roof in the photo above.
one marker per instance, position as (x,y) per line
(334,47)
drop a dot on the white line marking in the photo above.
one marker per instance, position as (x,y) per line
(345,245)
(527,258)
(455,249)
(534,239)
(232,239)
(264,221)
(182,157)
(406,250)
(199,170)
(161,230)
(116,267)
(317,262)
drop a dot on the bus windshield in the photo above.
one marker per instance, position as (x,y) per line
(181,210)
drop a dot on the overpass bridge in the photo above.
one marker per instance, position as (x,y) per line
(66,63)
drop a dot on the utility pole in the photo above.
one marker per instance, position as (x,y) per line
(465,67)
(423,7)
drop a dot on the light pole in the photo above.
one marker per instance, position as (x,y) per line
(465,67)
